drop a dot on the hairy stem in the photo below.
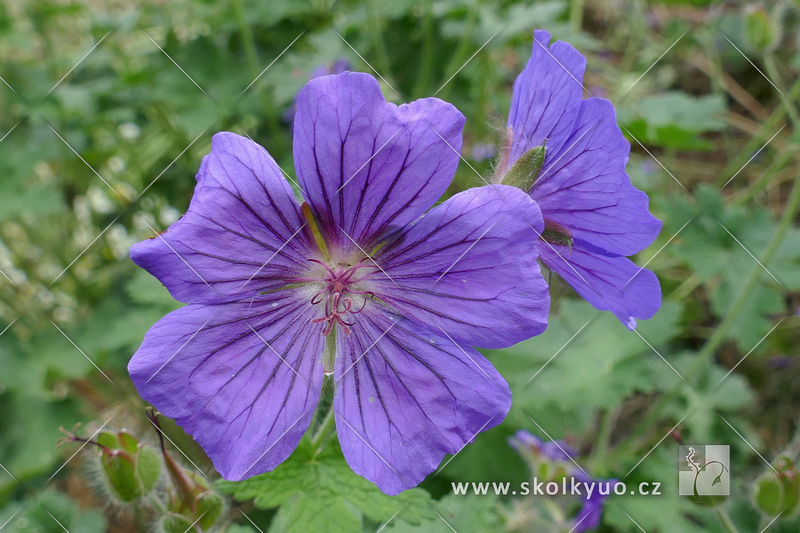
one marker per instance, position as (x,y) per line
(730,527)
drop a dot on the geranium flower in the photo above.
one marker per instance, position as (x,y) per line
(594,217)
(358,282)
(557,452)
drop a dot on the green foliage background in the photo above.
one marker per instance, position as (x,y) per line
(107,107)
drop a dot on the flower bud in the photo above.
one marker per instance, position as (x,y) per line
(556,234)
(758,27)
(120,472)
(127,441)
(148,468)
(108,439)
(130,468)
(208,507)
(778,493)
(175,523)
(526,169)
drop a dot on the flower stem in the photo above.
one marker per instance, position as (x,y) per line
(774,74)
(763,181)
(376,32)
(555,510)
(769,127)
(462,50)
(603,439)
(730,527)
(426,65)
(576,15)
(703,360)
(324,431)
(738,305)
(252,64)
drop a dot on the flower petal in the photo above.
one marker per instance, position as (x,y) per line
(585,187)
(366,166)
(406,397)
(545,96)
(246,395)
(468,267)
(243,232)
(608,282)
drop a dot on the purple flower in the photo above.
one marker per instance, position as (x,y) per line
(530,446)
(591,512)
(358,282)
(594,217)
(533,450)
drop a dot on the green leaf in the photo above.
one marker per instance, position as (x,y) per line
(29,432)
(719,246)
(311,513)
(476,514)
(605,361)
(674,119)
(143,288)
(323,490)
(209,506)
(39,514)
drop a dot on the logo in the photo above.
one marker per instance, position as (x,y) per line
(704,470)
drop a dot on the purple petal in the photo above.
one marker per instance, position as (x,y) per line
(525,442)
(469,268)
(591,513)
(608,282)
(545,96)
(241,235)
(246,397)
(366,166)
(406,397)
(585,188)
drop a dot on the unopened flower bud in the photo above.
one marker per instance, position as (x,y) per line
(120,472)
(758,27)
(556,234)
(208,507)
(526,169)
(130,468)
(148,468)
(778,493)
(175,523)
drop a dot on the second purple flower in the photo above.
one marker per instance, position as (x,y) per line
(572,156)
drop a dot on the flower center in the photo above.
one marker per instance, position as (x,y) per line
(342,294)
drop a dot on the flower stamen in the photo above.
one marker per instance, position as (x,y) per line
(339,287)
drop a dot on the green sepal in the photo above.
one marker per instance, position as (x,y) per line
(148,466)
(758,28)
(556,234)
(775,494)
(209,506)
(128,442)
(768,494)
(526,170)
(175,523)
(120,471)
(108,440)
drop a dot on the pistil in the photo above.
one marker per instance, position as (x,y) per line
(337,293)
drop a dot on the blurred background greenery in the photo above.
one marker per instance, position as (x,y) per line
(107,107)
